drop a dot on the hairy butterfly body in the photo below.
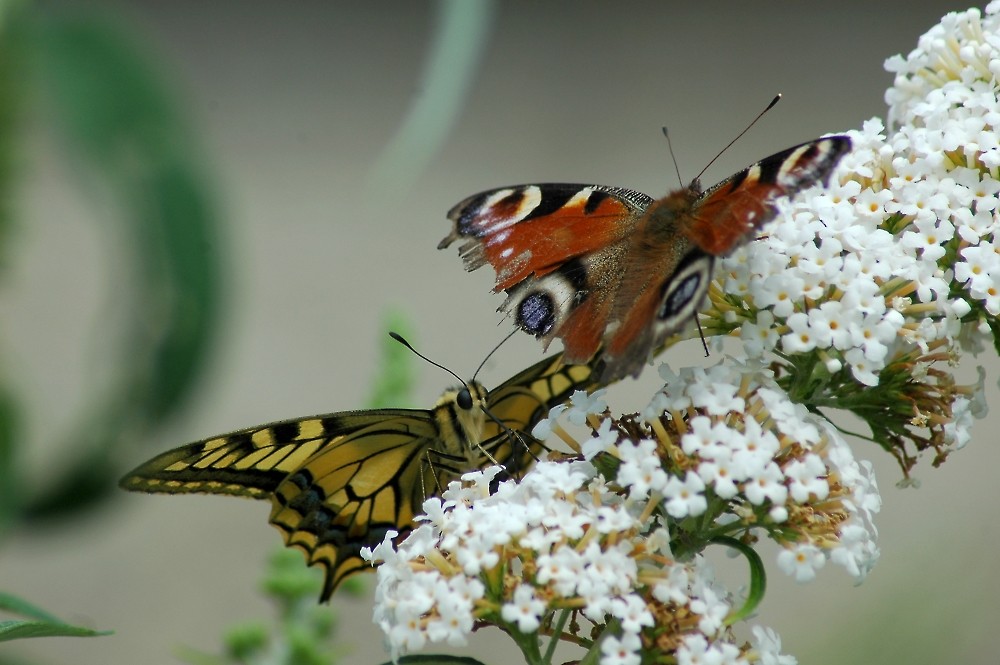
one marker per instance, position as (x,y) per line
(338,482)
(613,272)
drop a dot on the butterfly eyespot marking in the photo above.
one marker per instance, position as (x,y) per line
(542,304)
(683,292)
(536,314)
(464,399)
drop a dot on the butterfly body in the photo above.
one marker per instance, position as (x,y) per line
(338,482)
(611,269)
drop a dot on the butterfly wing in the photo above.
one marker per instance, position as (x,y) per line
(557,250)
(671,252)
(554,223)
(250,462)
(337,482)
(729,213)
(352,491)
(597,265)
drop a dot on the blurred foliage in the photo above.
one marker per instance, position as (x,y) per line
(121,130)
(302,634)
(393,385)
(124,136)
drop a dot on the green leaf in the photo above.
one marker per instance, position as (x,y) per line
(12,630)
(393,385)
(10,98)
(758,578)
(994,324)
(10,484)
(121,122)
(431,659)
(12,603)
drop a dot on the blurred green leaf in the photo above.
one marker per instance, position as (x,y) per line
(12,630)
(288,579)
(124,133)
(116,115)
(9,483)
(10,97)
(393,385)
(12,603)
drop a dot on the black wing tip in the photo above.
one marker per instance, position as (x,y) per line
(842,142)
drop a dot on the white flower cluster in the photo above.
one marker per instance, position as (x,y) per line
(565,537)
(900,248)
(850,300)
(558,540)
(776,466)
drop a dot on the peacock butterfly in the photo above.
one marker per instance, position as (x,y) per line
(594,265)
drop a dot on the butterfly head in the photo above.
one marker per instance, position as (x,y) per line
(462,416)
(469,397)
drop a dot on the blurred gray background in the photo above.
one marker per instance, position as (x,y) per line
(293,104)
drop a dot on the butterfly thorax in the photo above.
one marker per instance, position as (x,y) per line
(667,219)
(461,420)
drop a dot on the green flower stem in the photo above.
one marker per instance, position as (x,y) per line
(526,642)
(758,578)
(556,632)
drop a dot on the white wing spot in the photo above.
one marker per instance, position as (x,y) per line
(531,196)
(580,198)
(792,161)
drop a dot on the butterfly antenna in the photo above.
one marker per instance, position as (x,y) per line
(701,333)
(399,338)
(488,355)
(753,122)
(670,147)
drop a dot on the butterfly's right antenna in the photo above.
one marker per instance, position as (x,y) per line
(490,354)
(753,122)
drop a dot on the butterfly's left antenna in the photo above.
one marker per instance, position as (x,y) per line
(399,338)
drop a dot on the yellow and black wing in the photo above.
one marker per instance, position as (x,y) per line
(252,462)
(338,482)
(352,491)
(349,493)
(523,400)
